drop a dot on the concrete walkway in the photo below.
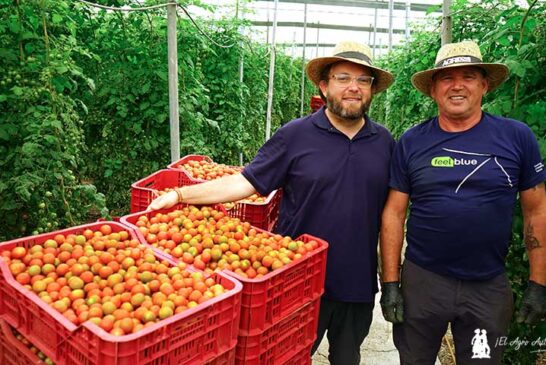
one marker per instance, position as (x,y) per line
(377,349)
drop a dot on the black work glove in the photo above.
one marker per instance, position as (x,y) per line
(533,305)
(392,303)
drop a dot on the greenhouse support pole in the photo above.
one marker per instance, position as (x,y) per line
(370,36)
(446,22)
(271,76)
(173,82)
(391,9)
(303,60)
(375,28)
(408,7)
(318,35)
(241,79)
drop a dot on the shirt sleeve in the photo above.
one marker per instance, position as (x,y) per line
(268,169)
(532,170)
(399,179)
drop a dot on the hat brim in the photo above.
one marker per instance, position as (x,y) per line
(382,79)
(495,73)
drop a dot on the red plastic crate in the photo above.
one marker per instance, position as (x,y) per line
(194,336)
(145,190)
(301,358)
(12,351)
(261,215)
(269,299)
(227,358)
(283,342)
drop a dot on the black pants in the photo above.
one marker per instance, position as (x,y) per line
(348,325)
(479,313)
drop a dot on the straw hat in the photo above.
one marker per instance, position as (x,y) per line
(466,53)
(351,52)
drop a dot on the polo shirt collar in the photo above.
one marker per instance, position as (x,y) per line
(322,121)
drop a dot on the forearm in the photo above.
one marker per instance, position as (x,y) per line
(392,238)
(226,189)
(535,242)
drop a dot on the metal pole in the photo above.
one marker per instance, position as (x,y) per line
(318,35)
(370,36)
(446,22)
(173,82)
(408,7)
(271,76)
(375,27)
(391,9)
(303,59)
(267,27)
(241,79)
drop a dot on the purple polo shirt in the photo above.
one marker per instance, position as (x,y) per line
(335,189)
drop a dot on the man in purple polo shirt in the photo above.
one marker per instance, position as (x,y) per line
(333,169)
(462,172)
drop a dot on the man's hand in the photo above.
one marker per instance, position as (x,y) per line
(164,201)
(533,305)
(392,303)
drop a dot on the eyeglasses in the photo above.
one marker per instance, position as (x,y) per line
(362,81)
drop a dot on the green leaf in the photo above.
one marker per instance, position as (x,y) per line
(17,90)
(162,75)
(56,18)
(61,69)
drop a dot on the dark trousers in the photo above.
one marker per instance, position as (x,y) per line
(479,313)
(347,325)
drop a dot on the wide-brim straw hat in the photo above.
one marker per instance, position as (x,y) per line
(462,54)
(355,53)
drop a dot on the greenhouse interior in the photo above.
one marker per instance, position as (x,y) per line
(175,189)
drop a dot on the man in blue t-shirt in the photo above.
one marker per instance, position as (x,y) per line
(461,171)
(333,167)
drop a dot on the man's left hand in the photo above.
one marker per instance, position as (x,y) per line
(533,305)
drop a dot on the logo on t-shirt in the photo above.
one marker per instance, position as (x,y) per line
(539,167)
(446,161)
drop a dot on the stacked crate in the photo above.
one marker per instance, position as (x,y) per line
(262,215)
(279,311)
(205,334)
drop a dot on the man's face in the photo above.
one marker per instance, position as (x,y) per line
(349,102)
(458,92)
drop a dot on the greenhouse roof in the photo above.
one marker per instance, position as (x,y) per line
(327,21)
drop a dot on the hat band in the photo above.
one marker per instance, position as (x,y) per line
(457,59)
(356,55)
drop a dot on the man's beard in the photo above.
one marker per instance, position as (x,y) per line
(336,108)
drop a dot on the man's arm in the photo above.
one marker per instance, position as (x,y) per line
(533,206)
(392,234)
(392,237)
(226,189)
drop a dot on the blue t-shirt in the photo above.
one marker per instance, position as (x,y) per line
(463,188)
(335,189)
